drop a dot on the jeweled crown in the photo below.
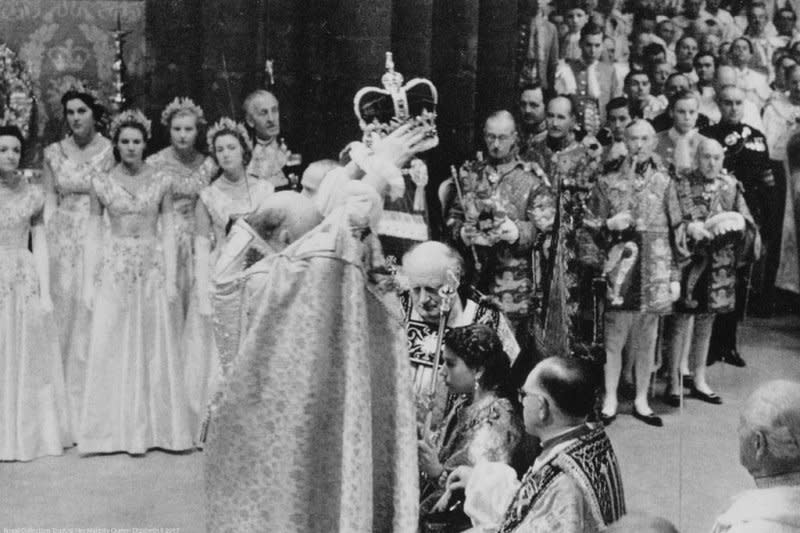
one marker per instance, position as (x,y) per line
(180,105)
(130,116)
(382,111)
(228,125)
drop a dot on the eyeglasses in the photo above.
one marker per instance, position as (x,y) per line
(492,138)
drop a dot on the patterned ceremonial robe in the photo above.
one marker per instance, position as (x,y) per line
(593,85)
(574,485)
(267,163)
(518,188)
(708,280)
(641,260)
(315,427)
(569,257)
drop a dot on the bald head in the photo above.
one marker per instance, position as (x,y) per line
(710,157)
(284,217)
(769,431)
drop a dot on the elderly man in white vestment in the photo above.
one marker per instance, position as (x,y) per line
(769,448)
(574,486)
(313,428)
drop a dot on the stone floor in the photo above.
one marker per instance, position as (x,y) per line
(686,471)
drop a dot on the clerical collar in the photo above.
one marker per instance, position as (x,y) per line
(567,434)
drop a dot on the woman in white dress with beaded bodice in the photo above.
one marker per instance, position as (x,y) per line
(232,195)
(68,167)
(190,172)
(134,398)
(33,411)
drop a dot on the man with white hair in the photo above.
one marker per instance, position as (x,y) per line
(262,115)
(721,236)
(634,208)
(769,448)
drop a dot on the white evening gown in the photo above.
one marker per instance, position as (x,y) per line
(66,231)
(33,412)
(134,398)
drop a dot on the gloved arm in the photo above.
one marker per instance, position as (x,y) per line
(41,260)
(169,244)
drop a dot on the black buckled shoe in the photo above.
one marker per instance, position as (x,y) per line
(734,358)
(651,420)
(712,398)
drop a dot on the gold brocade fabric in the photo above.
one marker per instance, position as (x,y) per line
(315,427)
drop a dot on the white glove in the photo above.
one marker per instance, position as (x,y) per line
(620,221)
(674,291)
(698,231)
(509,231)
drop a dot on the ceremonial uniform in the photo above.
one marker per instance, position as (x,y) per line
(640,260)
(747,158)
(515,189)
(708,278)
(268,161)
(570,257)
(538,52)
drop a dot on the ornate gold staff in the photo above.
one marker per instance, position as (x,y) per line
(446,292)
(460,194)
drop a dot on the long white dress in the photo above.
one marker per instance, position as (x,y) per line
(33,413)
(187,182)
(66,230)
(223,201)
(134,398)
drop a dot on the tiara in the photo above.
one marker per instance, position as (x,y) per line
(82,87)
(228,125)
(179,105)
(381,111)
(130,116)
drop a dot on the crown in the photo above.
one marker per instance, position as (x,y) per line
(68,57)
(130,116)
(179,105)
(228,125)
(382,111)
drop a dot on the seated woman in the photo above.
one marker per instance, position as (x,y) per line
(484,424)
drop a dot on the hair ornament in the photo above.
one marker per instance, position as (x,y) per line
(228,125)
(128,117)
(181,105)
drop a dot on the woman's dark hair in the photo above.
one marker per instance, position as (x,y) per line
(13,131)
(98,111)
(128,124)
(479,347)
(247,153)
